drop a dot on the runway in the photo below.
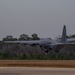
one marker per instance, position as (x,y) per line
(36,71)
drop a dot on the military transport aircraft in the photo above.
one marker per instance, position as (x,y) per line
(48,44)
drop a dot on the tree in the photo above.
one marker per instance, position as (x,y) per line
(35,36)
(9,38)
(72,36)
(24,37)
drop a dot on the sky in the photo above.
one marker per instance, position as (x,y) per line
(44,17)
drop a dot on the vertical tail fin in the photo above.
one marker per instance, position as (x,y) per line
(64,35)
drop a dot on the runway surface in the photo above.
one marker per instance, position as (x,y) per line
(36,71)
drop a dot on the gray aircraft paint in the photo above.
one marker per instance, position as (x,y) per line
(64,35)
(48,44)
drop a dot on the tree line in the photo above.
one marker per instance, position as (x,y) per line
(34,36)
(22,37)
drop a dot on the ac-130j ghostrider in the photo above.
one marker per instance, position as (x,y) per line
(49,44)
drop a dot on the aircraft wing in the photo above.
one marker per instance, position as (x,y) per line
(31,42)
(24,42)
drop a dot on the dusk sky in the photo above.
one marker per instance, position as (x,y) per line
(44,17)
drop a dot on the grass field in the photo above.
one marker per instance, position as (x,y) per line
(38,63)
